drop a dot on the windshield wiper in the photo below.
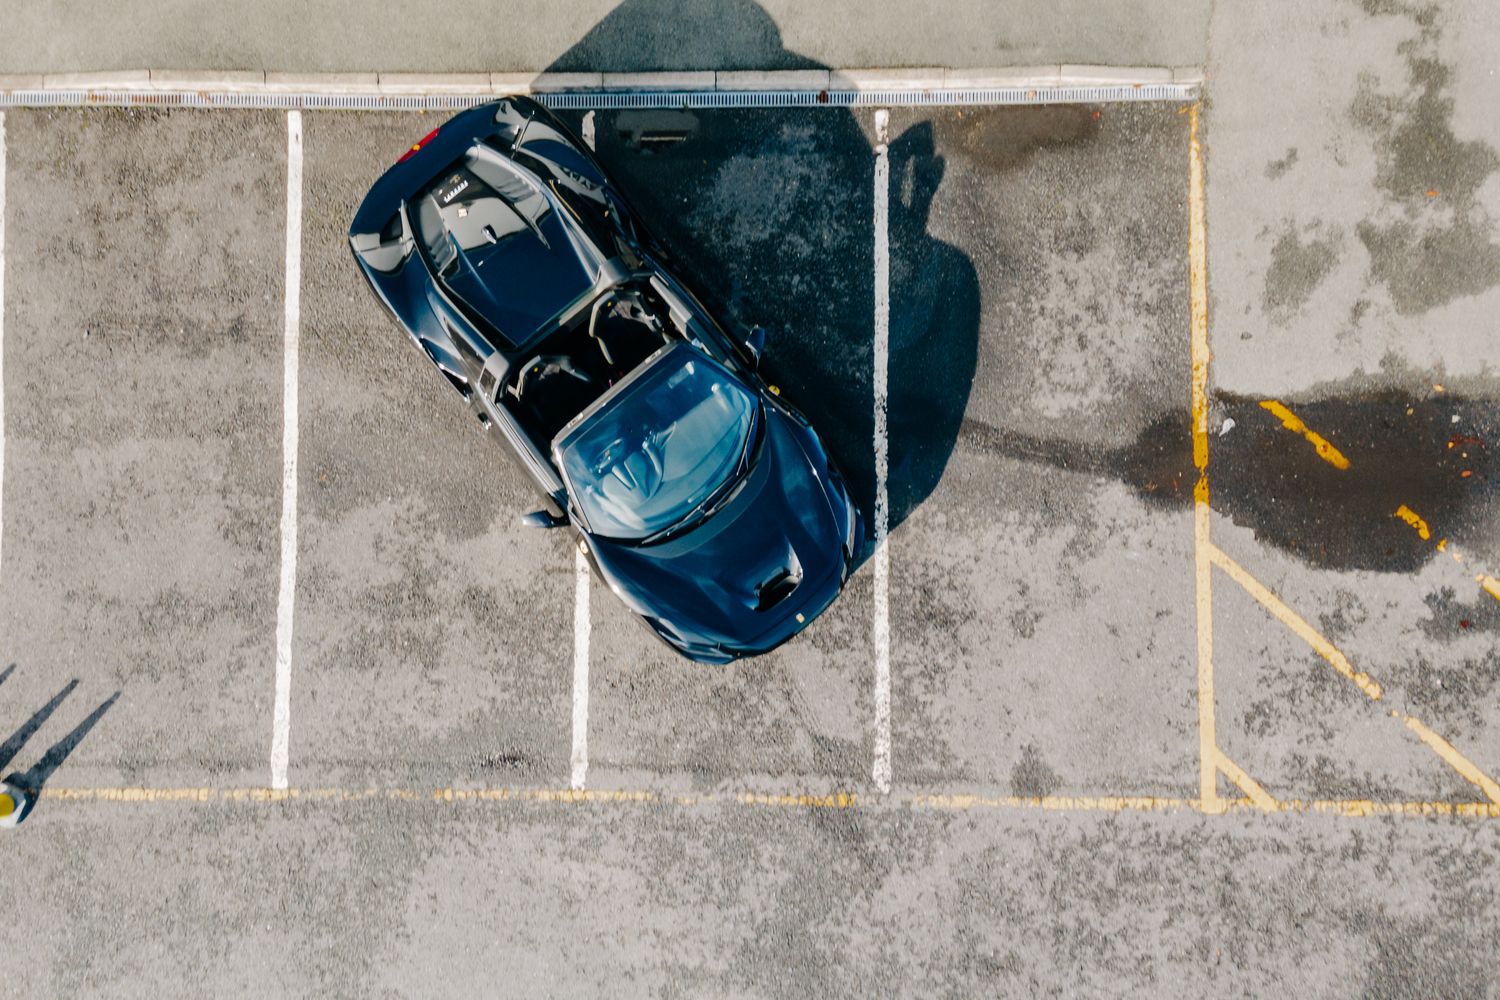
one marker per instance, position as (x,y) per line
(726,492)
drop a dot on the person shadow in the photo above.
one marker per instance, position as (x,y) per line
(768,215)
(35,777)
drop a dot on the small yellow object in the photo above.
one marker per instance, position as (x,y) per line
(7,804)
(775,390)
(800,619)
(1411,517)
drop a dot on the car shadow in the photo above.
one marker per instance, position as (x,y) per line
(769,215)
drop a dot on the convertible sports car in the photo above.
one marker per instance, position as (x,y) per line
(706,503)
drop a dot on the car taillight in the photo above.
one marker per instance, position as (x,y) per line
(419,144)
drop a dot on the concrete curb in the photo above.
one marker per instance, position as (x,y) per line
(481,84)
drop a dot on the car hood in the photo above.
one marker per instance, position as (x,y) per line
(741,577)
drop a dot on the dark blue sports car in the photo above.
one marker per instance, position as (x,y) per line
(705,501)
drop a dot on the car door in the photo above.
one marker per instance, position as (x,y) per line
(502,425)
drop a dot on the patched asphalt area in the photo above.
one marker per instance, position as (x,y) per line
(1042,596)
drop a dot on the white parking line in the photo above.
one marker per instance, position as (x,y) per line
(881,771)
(282,721)
(2,344)
(581,630)
(582,627)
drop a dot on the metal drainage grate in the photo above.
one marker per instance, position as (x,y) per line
(602,100)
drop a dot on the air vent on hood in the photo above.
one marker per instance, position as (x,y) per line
(779,585)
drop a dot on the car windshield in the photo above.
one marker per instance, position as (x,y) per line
(659,448)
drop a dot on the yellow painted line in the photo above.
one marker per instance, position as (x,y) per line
(796,800)
(342,794)
(542,795)
(1198,291)
(1208,748)
(1258,795)
(1412,518)
(1295,622)
(838,800)
(1355,808)
(1325,449)
(1055,803)
(1208,778)
(1455,760)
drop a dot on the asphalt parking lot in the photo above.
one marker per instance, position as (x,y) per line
(1151,445)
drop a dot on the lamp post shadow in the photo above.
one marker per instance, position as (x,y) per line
(32,780)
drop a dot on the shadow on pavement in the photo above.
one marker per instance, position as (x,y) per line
(18,739)
(1432,453)
(653,35)
(768,215)
(32,779)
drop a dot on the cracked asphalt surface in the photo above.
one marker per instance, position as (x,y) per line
(1046,833)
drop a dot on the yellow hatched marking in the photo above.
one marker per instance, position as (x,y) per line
(1358,808)
(1463,765)
(1258,795)
(1208,778)
(1445,750)
(1325,449)
(1295,622)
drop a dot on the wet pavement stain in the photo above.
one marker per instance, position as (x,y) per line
(1453,619)
(1032,777)
(1299,266)
(1434,453)
(1458,690)
(1009,141)
(1433,242)
(1277,169)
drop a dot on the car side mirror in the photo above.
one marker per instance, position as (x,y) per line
(755,343)
(543,519)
